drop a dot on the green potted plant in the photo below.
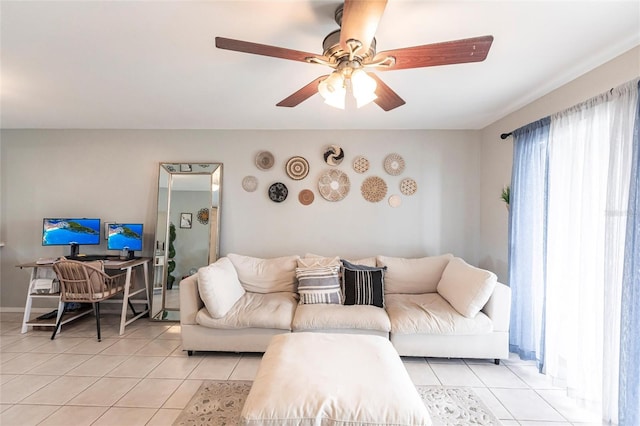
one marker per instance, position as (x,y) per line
(506,194)
(171,264)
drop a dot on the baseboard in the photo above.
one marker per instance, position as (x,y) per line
(10,310)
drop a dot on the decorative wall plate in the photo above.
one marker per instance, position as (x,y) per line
(249,183)
(373,189)
(297,168)
(395,200)
(394,164)
(264,160)
(203,216)
(278,192)
(408,186)
(306,197)
(334,185)
(360,164)
(333,155)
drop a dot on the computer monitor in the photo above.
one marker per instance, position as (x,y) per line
(125,236)
(71,232)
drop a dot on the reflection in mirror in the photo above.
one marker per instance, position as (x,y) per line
(187,230)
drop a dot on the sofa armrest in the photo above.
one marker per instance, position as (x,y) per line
(498,308)
(190,302)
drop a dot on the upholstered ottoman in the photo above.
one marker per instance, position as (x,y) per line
(332,379)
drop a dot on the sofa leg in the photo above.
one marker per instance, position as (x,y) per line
(189,353)
(496,361)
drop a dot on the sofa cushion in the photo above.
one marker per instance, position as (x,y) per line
(219,287)
(466,287)
(336,317)
(413,276)
(319,284)
(255,310)
(266,275)
(431,314)
(363,286)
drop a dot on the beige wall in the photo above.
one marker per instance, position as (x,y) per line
(496,157)
(113,175)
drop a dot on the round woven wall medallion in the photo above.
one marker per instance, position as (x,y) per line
(249,183)
(264,160)
(394,164)
(306,197)
(278,192)
(334,185)
(395,200)
(203,216)
(373,189)
(333,155)
(408,186)
(297,168)
(360,164)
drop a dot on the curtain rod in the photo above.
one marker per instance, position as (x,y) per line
(504,136)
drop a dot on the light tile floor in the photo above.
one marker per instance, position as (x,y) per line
(144,377)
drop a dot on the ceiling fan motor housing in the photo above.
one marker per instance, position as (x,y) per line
(335,53)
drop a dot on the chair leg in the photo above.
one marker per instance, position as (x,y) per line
(97,311)
(57,327)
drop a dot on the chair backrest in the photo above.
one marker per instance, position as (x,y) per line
(84,281)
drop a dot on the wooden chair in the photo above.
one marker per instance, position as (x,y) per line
(86,282)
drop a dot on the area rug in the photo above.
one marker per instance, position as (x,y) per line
(219,403)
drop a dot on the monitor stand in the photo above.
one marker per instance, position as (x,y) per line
(75,250)
(126,254)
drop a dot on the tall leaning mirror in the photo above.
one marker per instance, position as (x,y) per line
(187,230)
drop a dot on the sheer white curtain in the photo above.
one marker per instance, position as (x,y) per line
(588,186)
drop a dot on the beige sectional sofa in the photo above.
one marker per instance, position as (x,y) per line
(435,306)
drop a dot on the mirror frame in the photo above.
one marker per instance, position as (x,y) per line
(161,250)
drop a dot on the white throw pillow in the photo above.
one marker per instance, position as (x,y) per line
(318,262)
(466,287)
(219,287)
(413,276)
(266,275)
(367,261)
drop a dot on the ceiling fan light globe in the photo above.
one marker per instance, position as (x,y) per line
(336,97)
(333,83)
(333,90)
(335,102)
(363,87)
(363,100)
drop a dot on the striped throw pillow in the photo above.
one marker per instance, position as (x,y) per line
(363,286)
(319,285)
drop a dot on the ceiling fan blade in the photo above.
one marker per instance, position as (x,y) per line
(387,98)
(263,49)
(303,94)
(360,20)
(430,55)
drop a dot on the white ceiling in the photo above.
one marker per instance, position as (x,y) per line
(153,65)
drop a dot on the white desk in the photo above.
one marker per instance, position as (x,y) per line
(37,271)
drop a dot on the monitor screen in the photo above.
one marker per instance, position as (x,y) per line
(64,232)
(125,235)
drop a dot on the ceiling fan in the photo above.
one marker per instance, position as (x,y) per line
(352,49)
